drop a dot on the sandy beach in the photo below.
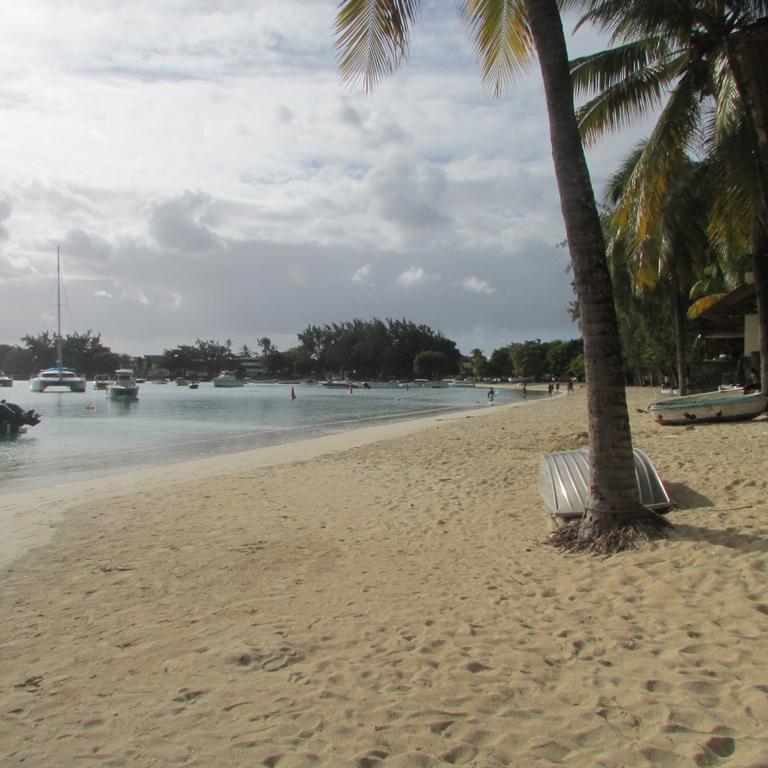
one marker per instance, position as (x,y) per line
(382,598)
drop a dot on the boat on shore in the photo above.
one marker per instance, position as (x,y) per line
(228,380)
(722,405)
(124,385)
(58,377)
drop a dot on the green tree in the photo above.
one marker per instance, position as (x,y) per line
(430,365)
(705,62)
(373,37)
(672,250)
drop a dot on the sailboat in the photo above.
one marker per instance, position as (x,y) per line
(58,377)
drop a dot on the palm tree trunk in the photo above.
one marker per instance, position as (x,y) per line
(613,494)
(680,330)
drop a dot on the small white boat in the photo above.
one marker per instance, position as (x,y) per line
(227,379)
(124,386)
(339,384)
(723,405)
(101,381)
(5,380)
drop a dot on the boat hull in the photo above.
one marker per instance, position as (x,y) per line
(564,483)
(123,393)
(44,384)
(707,407)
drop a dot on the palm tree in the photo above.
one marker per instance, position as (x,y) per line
(373,37)
(704,61)
(673,248)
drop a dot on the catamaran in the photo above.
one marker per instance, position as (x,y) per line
(58,377)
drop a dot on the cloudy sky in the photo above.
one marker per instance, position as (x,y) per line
(206,175)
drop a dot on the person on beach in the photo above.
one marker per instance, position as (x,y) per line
(491,395)
(525,392)
(550,388)
(569,386)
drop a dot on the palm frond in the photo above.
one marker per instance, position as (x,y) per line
(630,19)
(662,156)
(604,69)
(372,38)
(503,41)
(621,103)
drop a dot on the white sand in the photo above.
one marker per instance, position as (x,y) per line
(388,604)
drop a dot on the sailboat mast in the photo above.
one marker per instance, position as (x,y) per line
(58,308)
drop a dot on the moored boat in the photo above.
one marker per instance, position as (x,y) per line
(124,386)
(723,405)
(227,379)
(5,380)
(101,381)
(58,377)
(14,420)
(339,384)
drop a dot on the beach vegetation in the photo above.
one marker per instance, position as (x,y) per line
(701,64)
(83,351)
(432,365)
(375,349)
(372,37)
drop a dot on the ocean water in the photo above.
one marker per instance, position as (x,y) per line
(89,435)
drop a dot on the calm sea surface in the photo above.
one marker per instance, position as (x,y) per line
(88,435)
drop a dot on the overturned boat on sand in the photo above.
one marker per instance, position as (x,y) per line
(723,405)
(564,483)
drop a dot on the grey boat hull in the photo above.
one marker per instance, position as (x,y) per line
(564,483)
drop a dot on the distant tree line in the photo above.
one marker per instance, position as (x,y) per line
(531,360)
(84,352)
(376,350)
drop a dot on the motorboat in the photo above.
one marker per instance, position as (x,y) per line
(5,380)
(339,384)
(123,386)
(723,405)
(101,381)
(227,379)
(14,420)
(58,377)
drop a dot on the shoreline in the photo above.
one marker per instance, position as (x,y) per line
(390,605)
(29,518)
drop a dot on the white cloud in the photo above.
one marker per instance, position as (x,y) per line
(216,172)
(363,274)
(414,276)
(476,285)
